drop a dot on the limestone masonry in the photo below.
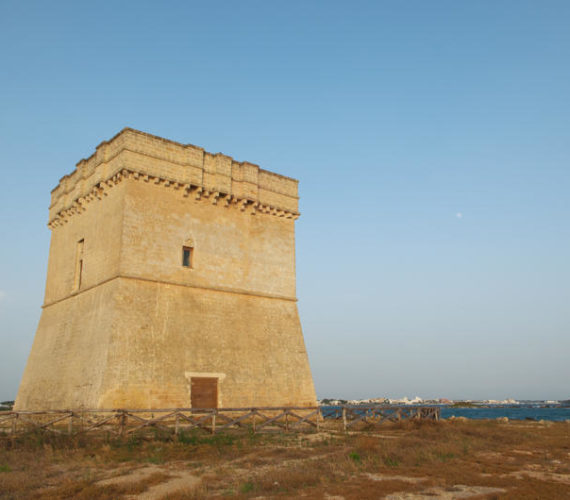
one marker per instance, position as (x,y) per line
(171,283)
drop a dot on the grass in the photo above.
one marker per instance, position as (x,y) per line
(527,460)
(391,462)
(247,487)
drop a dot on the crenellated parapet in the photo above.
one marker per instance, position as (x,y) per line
(187,169)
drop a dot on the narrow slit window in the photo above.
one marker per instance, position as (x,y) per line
(187,257)
(78,265)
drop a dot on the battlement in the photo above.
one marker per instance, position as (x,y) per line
(184,167)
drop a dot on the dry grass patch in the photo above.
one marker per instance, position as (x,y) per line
(524,460)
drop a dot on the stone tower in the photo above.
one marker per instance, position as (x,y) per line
(171,283)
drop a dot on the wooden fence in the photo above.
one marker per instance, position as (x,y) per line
(123,422)
(354,417)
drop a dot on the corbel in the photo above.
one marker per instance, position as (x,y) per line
(99,191)
(243,204)
(254,207)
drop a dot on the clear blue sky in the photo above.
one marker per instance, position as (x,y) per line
(432,144)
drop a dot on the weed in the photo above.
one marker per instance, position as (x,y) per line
(220,440)
(420,459)
(5,468)
(367,445)
(444,457)
(134,442)
(355,457)
(160,434)
(247,487)
(391,462)
(188,438)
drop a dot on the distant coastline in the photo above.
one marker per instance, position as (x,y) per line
(459,403)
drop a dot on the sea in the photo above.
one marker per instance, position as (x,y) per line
(532,411)
(512,412)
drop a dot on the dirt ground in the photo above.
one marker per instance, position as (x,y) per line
(414,460)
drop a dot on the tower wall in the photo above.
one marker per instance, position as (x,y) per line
(233,250)
(69,355)
(138,325)
(168,333)
(101,227)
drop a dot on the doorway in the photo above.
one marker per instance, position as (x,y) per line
(204,392)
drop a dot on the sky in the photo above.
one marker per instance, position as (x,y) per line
(431,141)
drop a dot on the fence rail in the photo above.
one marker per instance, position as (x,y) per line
(373,415)
(124,422)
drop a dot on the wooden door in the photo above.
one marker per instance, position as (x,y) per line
(204,392)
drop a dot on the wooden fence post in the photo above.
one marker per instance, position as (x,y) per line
(70,424)
(318,420)
(177,424)
(214,422)
(344,418)
(122,423)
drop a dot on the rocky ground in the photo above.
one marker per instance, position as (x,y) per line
(450,459)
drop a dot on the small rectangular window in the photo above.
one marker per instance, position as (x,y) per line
(187,256)
(78,265)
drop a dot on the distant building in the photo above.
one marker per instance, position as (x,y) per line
(171,283)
